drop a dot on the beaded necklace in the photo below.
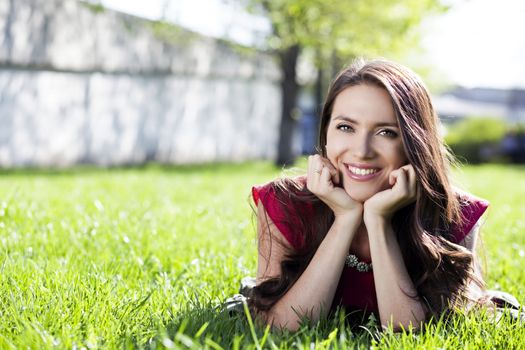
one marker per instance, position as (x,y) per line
(352,261)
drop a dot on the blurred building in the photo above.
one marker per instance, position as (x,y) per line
(83,84)
(508,104)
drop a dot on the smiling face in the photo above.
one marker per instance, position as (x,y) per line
(363,140)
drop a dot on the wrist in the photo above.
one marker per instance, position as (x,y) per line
(353,214)
(376,217)
(377,223)
(349,217)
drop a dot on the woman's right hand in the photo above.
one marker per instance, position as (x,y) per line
(323,181)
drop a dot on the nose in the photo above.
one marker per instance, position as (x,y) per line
(364,148)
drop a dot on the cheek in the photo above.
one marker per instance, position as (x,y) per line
(334,147)
(398,156)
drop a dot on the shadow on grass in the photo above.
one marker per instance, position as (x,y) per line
(209,325)
(88,169)
(212,326)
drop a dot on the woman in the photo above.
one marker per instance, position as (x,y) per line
(379,191)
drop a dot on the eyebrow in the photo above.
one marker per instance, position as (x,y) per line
(353,121)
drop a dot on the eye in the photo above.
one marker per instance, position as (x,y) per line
(388,133)
(344,127)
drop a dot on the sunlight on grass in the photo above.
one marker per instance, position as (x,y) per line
(142,258)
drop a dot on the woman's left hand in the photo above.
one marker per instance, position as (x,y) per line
(384,204)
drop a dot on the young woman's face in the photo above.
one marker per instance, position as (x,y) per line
(364,141)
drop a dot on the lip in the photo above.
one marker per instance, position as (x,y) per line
(356,177)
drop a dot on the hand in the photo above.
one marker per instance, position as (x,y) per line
(323,181)
(384,204)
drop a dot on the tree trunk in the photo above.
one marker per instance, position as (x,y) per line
(290,90)
(319,99)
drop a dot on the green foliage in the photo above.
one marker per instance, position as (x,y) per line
(171,33)
(95,7)
(335,30)
(346,28)
(477,129)
(476,139)
(143,258)
(183,38)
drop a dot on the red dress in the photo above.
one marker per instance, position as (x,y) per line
(356,290)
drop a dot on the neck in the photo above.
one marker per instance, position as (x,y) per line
(360,245)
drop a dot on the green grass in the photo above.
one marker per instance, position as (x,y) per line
(128,258)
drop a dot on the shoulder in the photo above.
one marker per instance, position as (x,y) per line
(279,192)
(284,206)
(472,208)
(282,188)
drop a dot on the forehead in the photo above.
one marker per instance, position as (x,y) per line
(364,102)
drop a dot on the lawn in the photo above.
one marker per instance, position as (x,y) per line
(143,257)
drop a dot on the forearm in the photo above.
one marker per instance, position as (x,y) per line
(312,294)
(397,297)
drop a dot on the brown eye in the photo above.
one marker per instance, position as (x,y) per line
(388,133)
(344,127)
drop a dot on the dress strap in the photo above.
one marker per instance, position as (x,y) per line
(472,209)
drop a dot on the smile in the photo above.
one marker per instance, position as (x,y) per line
(361,173)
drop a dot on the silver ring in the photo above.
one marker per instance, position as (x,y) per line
(319,171)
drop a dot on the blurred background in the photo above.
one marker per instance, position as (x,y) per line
(127,82)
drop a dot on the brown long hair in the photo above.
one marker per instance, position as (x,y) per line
(439,269)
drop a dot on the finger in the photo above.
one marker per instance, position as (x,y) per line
(334,173)
(410,174)
(336,177)
(311,178)
(412,181)
(333,170)
(408,168)
(314,165)
(401,181)
(326,178)
(392,178)
(312,161)
(309,167)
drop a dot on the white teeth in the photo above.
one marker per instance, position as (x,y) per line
(359,171)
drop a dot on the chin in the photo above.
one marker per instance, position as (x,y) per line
(360,196)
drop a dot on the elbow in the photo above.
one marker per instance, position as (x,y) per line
(408,326)
(401,324)
(279,321)
(287,317)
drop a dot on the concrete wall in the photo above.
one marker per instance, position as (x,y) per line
(80,86)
